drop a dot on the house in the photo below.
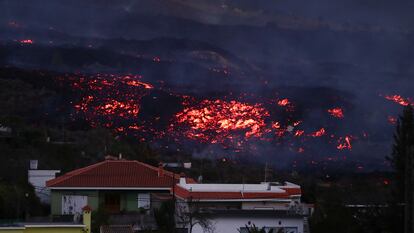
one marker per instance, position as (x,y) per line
(38,179)
(227,208)
(124,189)
(130,191)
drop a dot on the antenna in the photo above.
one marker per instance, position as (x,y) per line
(242,192)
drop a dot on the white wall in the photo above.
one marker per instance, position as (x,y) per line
(38,179)
(265,205)
(232,224)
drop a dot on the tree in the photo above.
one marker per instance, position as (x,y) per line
(402,160)
(100,217)
(164,217)
(189,215)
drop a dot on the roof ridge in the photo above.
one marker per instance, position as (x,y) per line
(67,177)
(166,172)
(73,173)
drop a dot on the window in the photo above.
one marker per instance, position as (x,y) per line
(144,200)
(72,204)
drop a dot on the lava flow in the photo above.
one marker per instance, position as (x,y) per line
(399,100)
(26,41)
(344,143)
(217,121)
(110,100)
(114,102)
(336,112)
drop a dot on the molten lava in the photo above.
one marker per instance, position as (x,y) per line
(283,102)
(217,121)
(109,100)
(336,112)
(344,143)
(392,120)
(26,41)
(318,133)
(399,100)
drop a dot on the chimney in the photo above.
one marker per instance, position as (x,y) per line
(33,164)
(110,157)
(160,170)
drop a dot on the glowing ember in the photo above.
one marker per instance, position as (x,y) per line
(276,125)
(344,143)
(283,102)
(136,83)
(392,120)
(26,41)
(217,121)
(318,133)
(122,109)
(336,112)
(399,100)
(299,133)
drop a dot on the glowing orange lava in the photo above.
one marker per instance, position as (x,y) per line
(283,102)
(108,100)
(318,133)
(344,143)
(392,120)
(336,112)
(216,121)
(399,99)
(26,41)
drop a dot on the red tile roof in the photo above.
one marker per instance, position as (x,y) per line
(116,174)
(202,195)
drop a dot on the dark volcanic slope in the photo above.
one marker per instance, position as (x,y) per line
(239,51)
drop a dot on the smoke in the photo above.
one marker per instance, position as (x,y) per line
(320,55)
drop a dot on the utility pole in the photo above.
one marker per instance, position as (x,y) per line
(267,173)
(173,200)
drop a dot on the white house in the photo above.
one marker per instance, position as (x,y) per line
(227,208)
(38,179)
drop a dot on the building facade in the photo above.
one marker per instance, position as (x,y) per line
(227,208)
(123,189)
